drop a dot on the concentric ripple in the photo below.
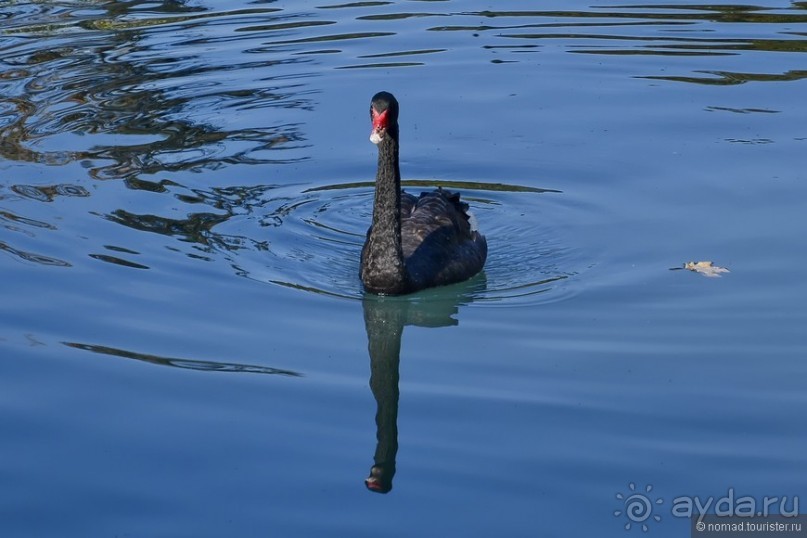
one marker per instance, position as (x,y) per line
(318,234)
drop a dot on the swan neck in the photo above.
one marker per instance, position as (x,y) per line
(385,269)
(387,206)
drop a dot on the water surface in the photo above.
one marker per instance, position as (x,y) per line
(185,349)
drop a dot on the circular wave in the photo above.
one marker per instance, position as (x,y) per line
(317,235)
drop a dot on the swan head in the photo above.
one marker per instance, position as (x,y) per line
(384,115)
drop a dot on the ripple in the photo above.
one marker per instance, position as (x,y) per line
(151,89)
(402,53)
(750,141)
(310,239)
(726,78)
(742,110)
(115,260)
(48,193)
(381,65)
(182,82)
(161,89)
(13,218)
(33,257)
(187,364)
(318,234)
(355,5)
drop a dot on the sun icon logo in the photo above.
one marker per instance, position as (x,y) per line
(638,507)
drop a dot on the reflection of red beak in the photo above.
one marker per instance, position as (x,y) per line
(377,482)
(373,484)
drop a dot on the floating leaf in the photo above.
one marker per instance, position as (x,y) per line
(706,268)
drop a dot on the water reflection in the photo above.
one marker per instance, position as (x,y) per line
(384,320)
(142,88)
(48,193)
(197,228)
(28,256)
(310,238)
(115,100)
(670,30)
(187,364)
(129,88)
(725,78)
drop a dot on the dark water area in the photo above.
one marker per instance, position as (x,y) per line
(185,348)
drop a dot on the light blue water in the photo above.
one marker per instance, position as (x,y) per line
(184,346)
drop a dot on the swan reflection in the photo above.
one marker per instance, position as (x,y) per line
(385,318)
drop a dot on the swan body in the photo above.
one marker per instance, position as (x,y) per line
(415,242)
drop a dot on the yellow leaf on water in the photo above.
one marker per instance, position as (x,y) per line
(706,268)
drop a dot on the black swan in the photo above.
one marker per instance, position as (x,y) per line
(414,242)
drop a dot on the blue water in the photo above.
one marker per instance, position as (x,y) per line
(185,349)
